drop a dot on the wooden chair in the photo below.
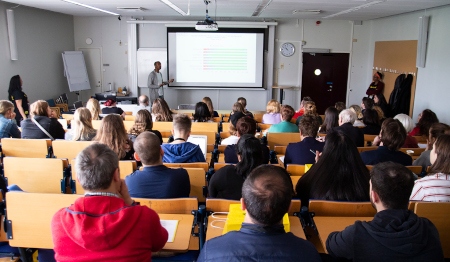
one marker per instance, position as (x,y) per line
(218,166)
(217,119)
(170,206)
(223,205)
(36,175)
(295,170)
(221,148)
(203,165)
(163,126)
(421,139)
(69,149)
(295,181)
(129,117)
(416,151)
(128,125)
(369,138)
(96,124)
(282,139)
(280,150)
(210,136)
(34,231)
(258,117)
(437,213)
(226,126)
(63,107)
(68,117)
(264,127)
(366,148)
(197,178)
(203,126)
(37,148)
(341,208)
(128,113)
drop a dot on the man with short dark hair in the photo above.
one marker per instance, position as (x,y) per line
(155,180)
(155,82)
(391,139)
(266,197)
(304,152)
(180,151)
(346,120)
(395,233)
(105,224)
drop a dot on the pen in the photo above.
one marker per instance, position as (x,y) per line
(312,151)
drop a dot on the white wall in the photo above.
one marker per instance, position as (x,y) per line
(41,38)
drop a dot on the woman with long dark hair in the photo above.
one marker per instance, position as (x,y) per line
(380,100)
(161,111)
(339,173)
(19,98)
(201,113)
(331,120)
(435,187)
(227,181)
(424,122)
(371,122)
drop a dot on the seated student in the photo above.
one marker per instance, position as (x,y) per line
(392,137)
(340,106)
(395,233)
(41,117)
(105,224)
(272,115)
(201,113)
(161,111)
(366,103)
(244,125)
(346,120)
(155,180)
(300,152)
(209,103)
(357,110)
(143,122)
(301,110)
(410,142)
(8,126)
(436,130)
(424,122)
(111,108)
(81,126)
(237,112)
(227,181)
(180,151)
(371,122)
(243,101)
(266,197)
(435,186)
(112,133)
(143,104)
(94,107)
(310,110)
(285,126)
(331,120)
(338,175)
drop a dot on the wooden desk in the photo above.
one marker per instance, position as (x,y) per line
(183,234)
(327,225)
(211,232)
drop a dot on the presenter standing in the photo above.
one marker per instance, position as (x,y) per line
(377,86)
(155,82)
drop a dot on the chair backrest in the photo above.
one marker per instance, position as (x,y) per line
(437,213)
(258,117)
(69,149)
(223,205)
(205,126)
(36,175)
(366,148)
(96,124)
(203,165)
(34,230)
(295,170)
(217,119)
(129,118)
(341,208)
(221,148)
(37,148)
(280,150)
(162,126)
(197,178)
(170,206)
(282,139)
(210,136)
(421,139)
(265,126)
(128,124)
(226,127)
(218,166)
(68,117)
(415,151)
(295,181)
(368,138)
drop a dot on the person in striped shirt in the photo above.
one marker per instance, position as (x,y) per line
(435,187)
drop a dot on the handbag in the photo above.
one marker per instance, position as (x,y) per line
(41,128)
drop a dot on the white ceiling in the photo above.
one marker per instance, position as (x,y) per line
(236,10)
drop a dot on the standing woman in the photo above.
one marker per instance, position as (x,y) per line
(209,103)
(19,98)
(8,127)
(376,87)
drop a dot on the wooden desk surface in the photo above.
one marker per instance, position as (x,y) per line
(211,232)
(327,225)
(183,234)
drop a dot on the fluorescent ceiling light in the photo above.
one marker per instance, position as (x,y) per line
(176,8)
(90,7)
(261,7)
(306,12)
(131,9)
(356,8)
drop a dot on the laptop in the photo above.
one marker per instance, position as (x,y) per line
(200,140)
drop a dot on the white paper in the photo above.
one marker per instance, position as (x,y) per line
(171,227)
(281,158)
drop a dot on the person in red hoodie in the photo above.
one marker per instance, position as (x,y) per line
(105,224)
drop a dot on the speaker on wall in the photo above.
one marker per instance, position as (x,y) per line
(11,34)
(422,41)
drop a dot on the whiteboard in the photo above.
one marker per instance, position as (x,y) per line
(146,57)
(75,71)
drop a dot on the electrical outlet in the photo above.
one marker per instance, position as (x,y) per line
(282,66)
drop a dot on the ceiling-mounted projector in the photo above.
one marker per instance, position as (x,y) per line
(208,24)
